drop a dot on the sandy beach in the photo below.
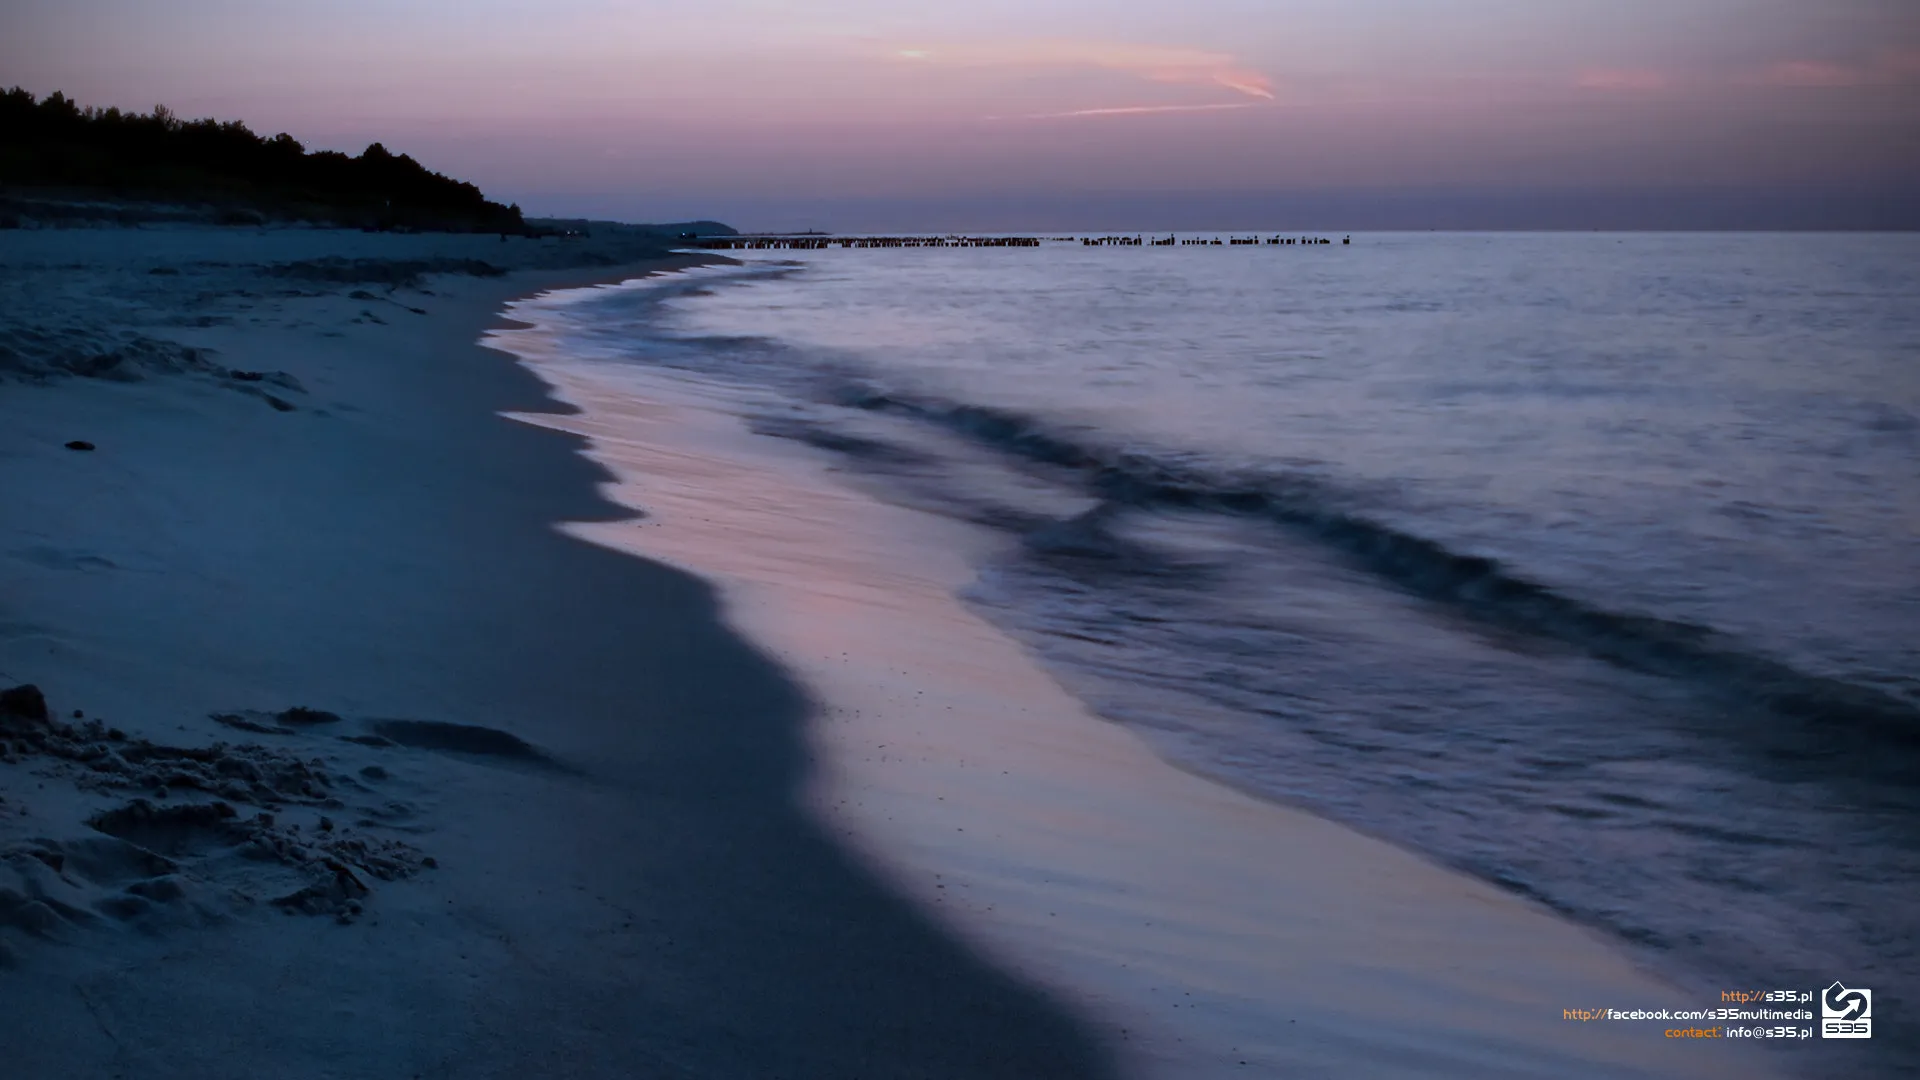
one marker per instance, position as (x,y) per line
(635,892)
(403,721)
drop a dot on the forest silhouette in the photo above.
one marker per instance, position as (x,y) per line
(55,145)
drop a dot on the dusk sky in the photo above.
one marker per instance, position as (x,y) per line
(1023,113)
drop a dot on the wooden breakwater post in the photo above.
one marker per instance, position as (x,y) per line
(817,242)
(822,243)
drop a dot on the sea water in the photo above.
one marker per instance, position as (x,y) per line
(1588,564)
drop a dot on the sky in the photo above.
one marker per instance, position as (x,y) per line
(1030,114)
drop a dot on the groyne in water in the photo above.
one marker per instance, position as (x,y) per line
(815,242)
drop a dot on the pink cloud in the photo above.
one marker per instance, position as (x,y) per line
(1158,63)
(1140,110)
(1813,73)
(1622,80)
(1886,68)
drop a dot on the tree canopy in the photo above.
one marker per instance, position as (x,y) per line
(53,143)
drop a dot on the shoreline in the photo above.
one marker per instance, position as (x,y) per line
(602,774)
(666,836)
(1183,921)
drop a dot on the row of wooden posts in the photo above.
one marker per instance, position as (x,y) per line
(761,243)
(1233,241)
(818,243)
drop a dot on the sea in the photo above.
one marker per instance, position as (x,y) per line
(1587,564)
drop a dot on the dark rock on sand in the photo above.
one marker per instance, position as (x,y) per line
(79,444)
(25,702)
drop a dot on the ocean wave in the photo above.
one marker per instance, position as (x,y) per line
(1652,677)
(1477,586)
(1834,714)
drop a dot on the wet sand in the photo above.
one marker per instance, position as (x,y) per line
(1212,934)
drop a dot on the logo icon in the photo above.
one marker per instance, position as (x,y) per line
(1845,1013)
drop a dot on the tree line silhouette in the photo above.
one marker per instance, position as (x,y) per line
(55,144)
